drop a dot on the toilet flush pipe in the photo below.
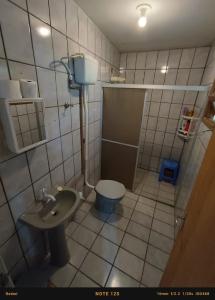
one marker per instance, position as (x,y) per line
(86,158)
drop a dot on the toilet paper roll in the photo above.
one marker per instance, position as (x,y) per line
(10,89)
(28,88)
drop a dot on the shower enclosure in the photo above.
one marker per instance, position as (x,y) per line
(165,108)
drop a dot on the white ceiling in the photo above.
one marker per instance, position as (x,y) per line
(171,23)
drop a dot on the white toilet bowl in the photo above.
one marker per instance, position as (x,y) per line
(108,195)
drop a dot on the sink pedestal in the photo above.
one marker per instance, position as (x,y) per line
(58,246)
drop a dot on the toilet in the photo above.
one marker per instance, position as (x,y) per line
(108,195)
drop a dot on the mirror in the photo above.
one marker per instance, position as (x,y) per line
(28,121)
(23,122)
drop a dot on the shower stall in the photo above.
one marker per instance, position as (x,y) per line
(142,126)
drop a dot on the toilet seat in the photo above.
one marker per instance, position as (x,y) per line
(110,189)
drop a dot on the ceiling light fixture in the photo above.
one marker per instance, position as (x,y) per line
(142,9)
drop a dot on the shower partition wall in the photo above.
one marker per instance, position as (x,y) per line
(122,116)
(200,93)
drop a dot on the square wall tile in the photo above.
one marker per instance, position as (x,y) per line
(170,77)
(65,120)
(23,202)
(98,42)
(60,48)
(20,70)
(15,29)
(47,86)
(75,117)
(82,17)
(67,146)
(57,14)
(141,60)
(63,94)
(149,77)
(164,110)
(174,58)
(6,224)
(131,60)
(69,169)
(40,9)
(91,35)
(151,60)
(76,141)
(11,170)
(54,153)
(44,182)
(175,110)
(154,109)
(42,45)
(182,76)
(200,57)
(72,19)
(38,162)
(123,60)
(187,58)
(162,122)
(169,139)
(2,195)
(57,176)
(162,59)
(195,76)
(21,3)
(159,137)
(139,76)
(7,252)
(52,122)
(3,70)
(130,76)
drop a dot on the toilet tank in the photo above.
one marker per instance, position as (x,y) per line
(85,69)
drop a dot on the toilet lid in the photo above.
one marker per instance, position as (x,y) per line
(110,189)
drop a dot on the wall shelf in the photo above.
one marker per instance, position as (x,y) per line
(186,127)
(209,114)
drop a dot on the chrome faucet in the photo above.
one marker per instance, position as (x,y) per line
(45,197)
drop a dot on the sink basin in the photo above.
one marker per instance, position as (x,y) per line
(51,217)
(53,214)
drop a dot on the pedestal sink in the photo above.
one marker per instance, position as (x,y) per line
(51,217)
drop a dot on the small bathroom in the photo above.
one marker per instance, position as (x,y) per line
(107,113)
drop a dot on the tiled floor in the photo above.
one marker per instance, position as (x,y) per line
(147,184)
(127,249)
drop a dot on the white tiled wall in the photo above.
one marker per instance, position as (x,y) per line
(26,54)
(163,108)
(194,152)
